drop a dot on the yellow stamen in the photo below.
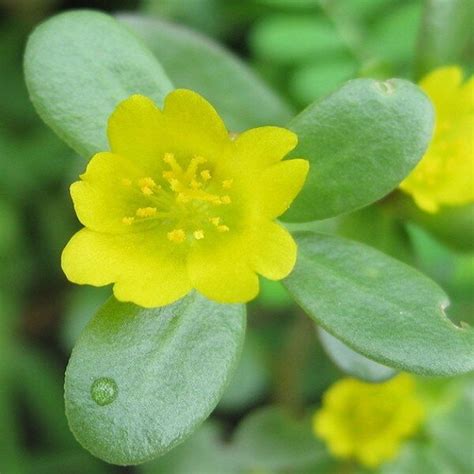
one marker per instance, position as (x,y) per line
(147,182)
(205,175)
(128,220)
(175,184)
(198,234)
(171,160)
(193,166)
(215,220)
(147,191)
(226,199)
(222,228)
(146,212)
(195,184)
(177,235)
(227,183)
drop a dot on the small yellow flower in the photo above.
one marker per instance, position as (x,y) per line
(368,421)
(445,175)
(179,204)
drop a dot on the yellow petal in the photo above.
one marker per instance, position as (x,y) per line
(273,251)
(144,272)
(425,203)
(449,96)
(137,130)
(102,198)
(440,81)
(194,125)
(280,184)
(222,273)
(261,147)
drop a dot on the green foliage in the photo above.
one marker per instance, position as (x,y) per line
(272,439)
(203,453)
(451,432)
(82,304)
(351,362)
(445,444)
(454,226)
(386,39)
(250,380)
(289,39)
(378,227)
(314,80)
(445,33)
(418,457)
(361,141)
(383,309)
(78,66)
(140,381)
(195,62)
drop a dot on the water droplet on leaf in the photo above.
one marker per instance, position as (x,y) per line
(104,391)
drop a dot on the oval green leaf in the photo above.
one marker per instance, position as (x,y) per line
(198,63)
(78,66)
(378,306)
(351,362)
(361,141)
(140,381)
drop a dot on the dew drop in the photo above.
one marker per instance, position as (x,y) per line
(104,391)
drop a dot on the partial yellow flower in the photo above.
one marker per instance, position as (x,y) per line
(445,175)
(366,421)
(179,204)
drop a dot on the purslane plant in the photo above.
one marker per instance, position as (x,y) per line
(176,194)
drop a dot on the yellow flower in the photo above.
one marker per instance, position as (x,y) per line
(179,204)
(368,421)
(445,175)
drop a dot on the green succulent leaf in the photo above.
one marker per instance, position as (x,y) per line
(352,362)
(198,63)
(271,439)
(140,381)
(361,141)
(378,306)
(78,66)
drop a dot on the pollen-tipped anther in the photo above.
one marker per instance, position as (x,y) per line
(128,220)
(206,175)
(177,236)
(146,212)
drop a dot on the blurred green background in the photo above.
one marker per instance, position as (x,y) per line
(303,49)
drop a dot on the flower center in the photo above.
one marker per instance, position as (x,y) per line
(188,202)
